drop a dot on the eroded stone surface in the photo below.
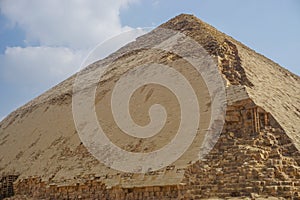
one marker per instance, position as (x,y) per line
(257,155)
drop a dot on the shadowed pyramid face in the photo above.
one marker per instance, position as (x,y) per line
(153,102)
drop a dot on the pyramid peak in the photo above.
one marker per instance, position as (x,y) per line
(259,143)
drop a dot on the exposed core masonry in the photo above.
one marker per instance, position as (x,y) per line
(256,156)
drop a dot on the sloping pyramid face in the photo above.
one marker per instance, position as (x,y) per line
(256,154)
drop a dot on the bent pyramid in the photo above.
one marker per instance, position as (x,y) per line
(257,154)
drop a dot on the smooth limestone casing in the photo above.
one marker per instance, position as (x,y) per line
(40,144)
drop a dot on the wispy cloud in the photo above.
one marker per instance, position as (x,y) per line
(38,65)
(59,35)
(80,24)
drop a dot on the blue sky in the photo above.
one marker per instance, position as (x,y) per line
(44,42)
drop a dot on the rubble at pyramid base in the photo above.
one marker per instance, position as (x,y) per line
(253,157)
(256,156)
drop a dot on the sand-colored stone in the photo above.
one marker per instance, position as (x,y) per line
(257,155)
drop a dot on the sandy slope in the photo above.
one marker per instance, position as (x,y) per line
(40,139)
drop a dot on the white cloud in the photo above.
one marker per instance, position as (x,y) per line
(38,66)
(155,3)
(76,24)
(64,30)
